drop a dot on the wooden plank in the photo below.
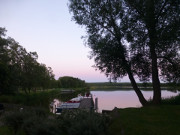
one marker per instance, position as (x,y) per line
(86,103)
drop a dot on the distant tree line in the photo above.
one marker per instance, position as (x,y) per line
(70,82)
(20,69)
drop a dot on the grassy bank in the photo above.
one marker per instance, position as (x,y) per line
(40,98)
(127,86)
(161,120)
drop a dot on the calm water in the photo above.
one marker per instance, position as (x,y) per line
(107,100)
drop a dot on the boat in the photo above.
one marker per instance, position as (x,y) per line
(74,103)
(79,102)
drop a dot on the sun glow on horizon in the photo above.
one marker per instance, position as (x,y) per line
(48,29)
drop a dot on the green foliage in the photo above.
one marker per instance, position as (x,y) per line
(32,122)
(37,126)
(128,86)
(14,121)
(71,82)
(42,98)
(82,122)
(37,121)
(4,130)
(20,69)
(158,120)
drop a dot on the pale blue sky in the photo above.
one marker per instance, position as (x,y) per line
(45,26)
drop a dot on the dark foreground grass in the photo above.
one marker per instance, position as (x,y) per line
(172,100)
(154,120)
(158,120)
(39,122)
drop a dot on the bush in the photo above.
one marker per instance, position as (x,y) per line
(32,121)
(37,122)
(39,126)
(82,122)
(14,121)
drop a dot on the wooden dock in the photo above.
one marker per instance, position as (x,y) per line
(87,104)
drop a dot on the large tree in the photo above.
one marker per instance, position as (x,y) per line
(133,37)
(20,69)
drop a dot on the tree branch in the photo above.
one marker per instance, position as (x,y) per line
(161,9)
(135,7)
(101,24)
(168,59)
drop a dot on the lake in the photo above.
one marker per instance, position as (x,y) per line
(107,100)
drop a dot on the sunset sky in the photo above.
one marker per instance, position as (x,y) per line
(46,26)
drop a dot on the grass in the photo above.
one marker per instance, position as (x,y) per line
(127,86)
(155,120)
(152,120)
(172,100)
(32,99)
(4,130)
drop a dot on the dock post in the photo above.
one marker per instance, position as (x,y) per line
(55,109)
(96,104)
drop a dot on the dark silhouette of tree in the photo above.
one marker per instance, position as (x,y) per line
(71,82)
(19,69)
(133,37)
(4,59)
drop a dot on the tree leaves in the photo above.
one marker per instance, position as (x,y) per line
(19,68)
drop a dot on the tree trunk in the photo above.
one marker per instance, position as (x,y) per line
(155,80)
(142,100)
(151,26)
(155,74)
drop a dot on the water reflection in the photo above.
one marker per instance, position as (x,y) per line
(107,100)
